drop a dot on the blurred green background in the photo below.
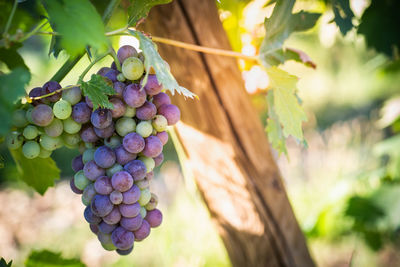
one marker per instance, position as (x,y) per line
(344,187)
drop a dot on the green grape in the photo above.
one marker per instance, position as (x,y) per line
(19,118)
(132,68)
(31,149)
(55,128)
(71,126)
(143,212)
(160,123)
(30,132)
(72,95)
(114,169)
(144,129)
(89,145)
(80,180)
(121,77)
(130,112)
(148,162)
(145,197)
(50,143)
(62,109)
(88,155)
(71,140)
(113,141)
(28,115)
(44,153)
(123,126)
(14,140)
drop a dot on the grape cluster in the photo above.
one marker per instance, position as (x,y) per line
(119,147)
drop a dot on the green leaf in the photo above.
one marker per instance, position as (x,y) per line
(153,59)
(38,173)
(46,258)
(282,55)
(274,129)
(78,23)
(343,15)
(98,90)
(286,105)
(11,57)
(139,9)
(27,15)
(3,263)
(363,210)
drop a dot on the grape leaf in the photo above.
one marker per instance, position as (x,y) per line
(78,23)
(98,90)
(285,104)
(274,129)
(140,9)
(283,55)
(343,15)
(11,57)
(3,263)
(46,258)
(38,173)
(153,59)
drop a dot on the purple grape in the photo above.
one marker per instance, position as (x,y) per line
(89,102)
(124,252)
(119,88)
(77,163)
(146,112)
(133,143)
(112,75)
(143,231)
(131,224)
(101,118)
(131,196)
(154,218)
(126,51)
(113,217)
(150,175)
(123,156)
(36,92)
(90,217)
(50,87)
(42,115)
(88,134)
(170,112)
(133,96)
(94,228)
(106,228)
(122,239)
(104,157)
(161,99)
(106,132)
(103,71)
(153,146)
(158,159)
(116,197)
(81,113)
(103,186)
(136,169)
(119,107)
(88,194)
(163,136)
(101,205)
(122,181)
(152,87)
(129,210)
(92,171)
(74,188)
(113,66)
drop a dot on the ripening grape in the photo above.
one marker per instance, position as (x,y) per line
(161,99)
(106,228)
(101,205)
(123,239)
(90,217)
(119,87)
(143,212)
(125,52)
(42,115)
(101,118)
(132,68)
(152,87)
(123,156)
(114,169)
(122,181)
(19,118)
(133,143)
(88,135)
(81,113)
(113,141)
(152,204)
(113,217)
(74,188)
(88,102)
(88,155)
(106,132)
(70,126)
(71,140)
(36,92)
(158,159)
(14,140)
(143,231)
(163,136)
(103,186)
(51,87)
(77,163)
(153,146)
(132,224)
(129,210)
(154,217)
(145,197)
(130,112)
(170,112)
(88,194)
(55,128)
(31,149)
(103,71)
(147,111)
(119,107)
(72,95)
(80,180)
(148,162)
(159,123)
(30,132)
(92,171)
(104,157)
(112,75)
(144,128)
(132,195)
(105,240)
(142,184)
(137,169)
(125,125)
(116,197)
(134,96)
(44,153)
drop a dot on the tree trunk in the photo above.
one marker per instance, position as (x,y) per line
(225,143)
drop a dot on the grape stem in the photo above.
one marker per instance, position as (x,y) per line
(10,18)
(82,76)
(30,99)
(116,60)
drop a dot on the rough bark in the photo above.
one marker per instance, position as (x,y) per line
(225,143)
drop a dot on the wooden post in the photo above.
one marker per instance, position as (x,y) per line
(225,143)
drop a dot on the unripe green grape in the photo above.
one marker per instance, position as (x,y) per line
(89,145)
(14,140)
(108,246)
(72,95)
(19,118)
(50,143)
(88,155)
(114,169)
(71,126)
(113,141)
(143,212)
(154,132)
(28,115)
(30,132)
(145,197)
(121,77)
(132,68)
(80,180)
(62,109)
(152,203)
(31,149)
(160,123)
(71,140)
(55,128)
(130,112)
(44,153)
(144,129)
(123,126)
(148,162)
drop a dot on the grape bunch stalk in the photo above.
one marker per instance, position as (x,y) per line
(119,147)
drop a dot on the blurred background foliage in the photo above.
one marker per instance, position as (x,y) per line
(344,187)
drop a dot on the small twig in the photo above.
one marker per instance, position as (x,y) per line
(34,31)
(82,76)
(116,60)
(10,18)
(30,99)
(117,32)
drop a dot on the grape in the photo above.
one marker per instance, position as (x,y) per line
(106,228)
(19,118)
(92,171)
(88,102)
(95,229)
(148,162)
(62,109)
(103,186)
(113,217)
(154,217)
(80,180)
(158,160)
(119,107)
(126,51)
(50,143)
(122,181)
(129,210)
(88,194)
(88,155)
(116,197)
(36,92)
(125,125)
(123,156)
(105,240)
(133,143)
(141,57)
(153,146)
(113,141)
(122,239)
(81,113)
(101,205)
(147,111)
(130,112)
(163,136)
(74,188)
(31,149)
(54,129)
(112,75)
(103,71)
(131,224)
(114,169)
(77,163)
(143,231)
(152,203)
(42,115)
(44,153)
(145,197)
(161,99)
(50,87)
(119,88)
(71,140)
(14,140)
(152,87)
(101,118)
(143,212)
(88,135)
(90,217)
(124,252)
(121,77)
(142,184)
(70,126)
(28,115)
(137,169)
(144,128)
(134,96)
(132,68)
(104,157)
(72,95)
(170,112)
(132,195)
(150,175)
(30,132)
(106,132)
(160,123)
